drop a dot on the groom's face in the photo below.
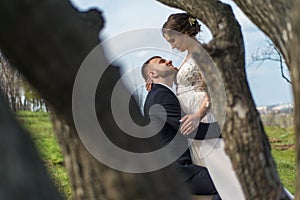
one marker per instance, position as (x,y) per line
(163,67)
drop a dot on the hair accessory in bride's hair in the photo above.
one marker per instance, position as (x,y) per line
(192,21)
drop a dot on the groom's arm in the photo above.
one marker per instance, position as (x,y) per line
(170,112)
(206,131)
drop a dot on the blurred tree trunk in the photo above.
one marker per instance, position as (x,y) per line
(47,41)
(22,172)
(280,21)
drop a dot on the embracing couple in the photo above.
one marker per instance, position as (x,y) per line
(205,167)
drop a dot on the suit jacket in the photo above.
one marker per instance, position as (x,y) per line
(167,116)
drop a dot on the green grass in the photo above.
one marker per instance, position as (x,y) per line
(40,128)
(39,125)
(283,150)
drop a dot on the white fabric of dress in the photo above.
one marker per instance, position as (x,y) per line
(209,152)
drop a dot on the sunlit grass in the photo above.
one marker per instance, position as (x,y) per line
(283,150)
(39,125)
(40,128)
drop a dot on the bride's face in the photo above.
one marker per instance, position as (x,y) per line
(177,41)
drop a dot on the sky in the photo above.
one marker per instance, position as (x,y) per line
(132,25)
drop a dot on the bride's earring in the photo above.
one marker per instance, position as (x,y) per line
(175,50)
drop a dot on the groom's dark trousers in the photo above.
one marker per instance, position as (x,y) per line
(167,116)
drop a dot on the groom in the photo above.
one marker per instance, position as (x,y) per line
(163,73)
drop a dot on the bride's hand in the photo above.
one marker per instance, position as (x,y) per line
(149,83)
(189,124)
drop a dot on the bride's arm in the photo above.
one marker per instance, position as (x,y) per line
(191,122)
(204,108)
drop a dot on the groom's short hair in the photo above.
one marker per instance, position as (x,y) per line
(145,67)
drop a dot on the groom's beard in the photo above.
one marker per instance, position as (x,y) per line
(165,74)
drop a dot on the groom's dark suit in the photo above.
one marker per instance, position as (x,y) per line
(196,177)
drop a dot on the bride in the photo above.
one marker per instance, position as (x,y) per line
(193,96)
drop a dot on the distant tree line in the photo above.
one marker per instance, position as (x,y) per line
(17,91)
(284,120)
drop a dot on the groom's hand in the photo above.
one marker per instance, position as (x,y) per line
(189,124)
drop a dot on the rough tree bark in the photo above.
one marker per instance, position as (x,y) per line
(245,138)
(294,48)
(273,18)
(280,21)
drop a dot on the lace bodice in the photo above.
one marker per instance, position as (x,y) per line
(189,78)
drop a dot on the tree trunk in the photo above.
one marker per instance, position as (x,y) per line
(23,174)
(93,180)
(245,140)
(59,38)
(280,21)
(273,18)
(294,48)
(25,104)
(13,103)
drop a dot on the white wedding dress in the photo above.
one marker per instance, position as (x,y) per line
(210,152)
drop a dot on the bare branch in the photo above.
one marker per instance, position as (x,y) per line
(269,53)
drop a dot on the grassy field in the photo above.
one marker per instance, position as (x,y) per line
(39,125)
(284,152)
(40,128)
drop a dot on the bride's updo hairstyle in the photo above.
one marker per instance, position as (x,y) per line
(183,23)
